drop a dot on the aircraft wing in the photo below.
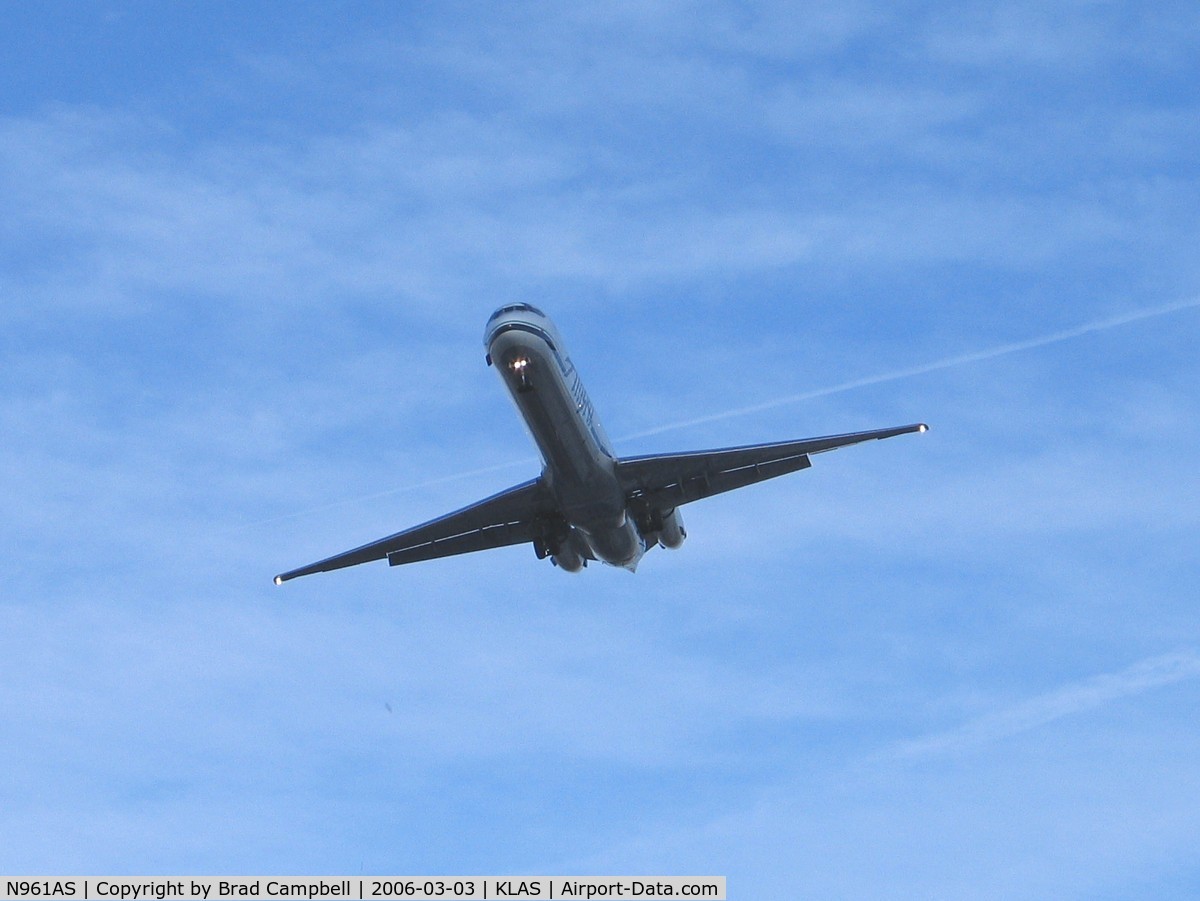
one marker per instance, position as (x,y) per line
(500,520)
(664,481)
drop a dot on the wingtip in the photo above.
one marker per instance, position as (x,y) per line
(279,580)
(922,427)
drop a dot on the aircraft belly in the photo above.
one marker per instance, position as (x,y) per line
(580,474)
(533,375)
(617,545)
(552,421)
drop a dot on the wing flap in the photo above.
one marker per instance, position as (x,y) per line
(667,480)
(502,519)
(692,485)
(480,540)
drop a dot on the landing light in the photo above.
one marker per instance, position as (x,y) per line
(519,363)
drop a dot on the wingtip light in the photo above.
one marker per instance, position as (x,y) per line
(279,580)
(922,428)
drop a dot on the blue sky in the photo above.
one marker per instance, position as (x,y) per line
(246,255)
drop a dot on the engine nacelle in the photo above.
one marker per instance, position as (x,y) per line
(672,532)
(568,559)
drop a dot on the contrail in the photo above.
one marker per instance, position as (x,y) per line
(1099,325)
(1077,697)
(413,486)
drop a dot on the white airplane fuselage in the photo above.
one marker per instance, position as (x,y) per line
(579,465)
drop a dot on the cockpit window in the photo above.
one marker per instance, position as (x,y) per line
(517,308)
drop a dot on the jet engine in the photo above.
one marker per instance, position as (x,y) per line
(672,532)
(666,529)
(568,559)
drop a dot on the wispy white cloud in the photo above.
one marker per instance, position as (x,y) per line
(220,318)
(1071,37)
(431,206)
(1069,700)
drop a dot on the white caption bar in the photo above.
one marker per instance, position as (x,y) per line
(384,888)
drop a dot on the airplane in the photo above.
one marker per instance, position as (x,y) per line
(588,503)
